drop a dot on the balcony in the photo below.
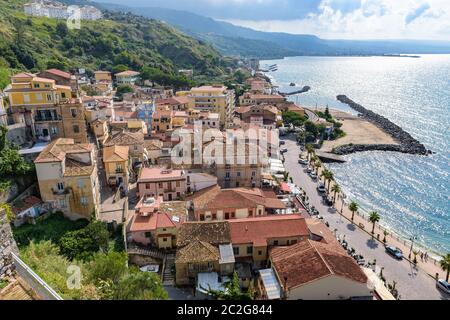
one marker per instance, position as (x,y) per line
(47,118)
(166,190)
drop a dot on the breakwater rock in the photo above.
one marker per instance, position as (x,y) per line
(407,144)
(303,90)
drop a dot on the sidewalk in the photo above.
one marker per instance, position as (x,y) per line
(431,266)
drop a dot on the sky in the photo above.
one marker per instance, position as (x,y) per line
(331,19)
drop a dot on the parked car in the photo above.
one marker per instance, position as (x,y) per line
(328,201)
(319,217)
(283,151)
(313,175)
(303,161)
(395,252)
(443,285)
(309,170)
(321,187)
(282,142)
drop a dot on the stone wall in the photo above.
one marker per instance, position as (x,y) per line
(7,245)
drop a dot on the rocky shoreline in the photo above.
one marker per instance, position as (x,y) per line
(407,144)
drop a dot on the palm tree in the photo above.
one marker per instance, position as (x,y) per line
(324,175)
(353,208)
(330,178)
(336,189)
(317,164)
(385,235)
(445,265)
(374,217)
(309,148)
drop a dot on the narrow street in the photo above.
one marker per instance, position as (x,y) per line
(411,282)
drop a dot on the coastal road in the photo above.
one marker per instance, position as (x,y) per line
(412,283)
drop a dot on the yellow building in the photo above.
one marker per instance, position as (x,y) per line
(102,76)
(116,164)
(68,179)
(48,109)
(216,99)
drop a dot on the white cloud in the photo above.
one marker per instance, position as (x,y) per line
(373,19)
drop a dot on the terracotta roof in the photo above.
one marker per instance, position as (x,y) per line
(125,139)
(153,144)
(23,75)
(214,198)
(152,222)
(309,260)
(259,230)
(160,174)
(75,168)
(24,204)
(209,88)
(115,153)
(263,96)
(215,233)
(197,252)
(57,150)
(173,101)
(127,73)
(100,71)
(59,73)
(321,231)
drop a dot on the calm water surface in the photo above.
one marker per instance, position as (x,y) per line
(411,193)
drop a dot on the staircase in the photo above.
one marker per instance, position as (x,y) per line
(149,252)
(168,278)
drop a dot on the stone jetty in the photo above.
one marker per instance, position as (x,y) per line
(407,144)
(303,90)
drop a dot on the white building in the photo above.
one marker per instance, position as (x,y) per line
(57,10)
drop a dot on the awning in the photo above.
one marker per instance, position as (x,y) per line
(270,283)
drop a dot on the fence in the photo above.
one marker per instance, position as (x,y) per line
(42,289)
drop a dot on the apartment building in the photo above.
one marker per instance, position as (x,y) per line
(160,182)
(135,142)
(48,109)
(216,99)
(264,116)
(68,178)
(174,103)
(214,203)
(61,78)
(57,10)
(103,82)
(162,120)
(248,99)
(253,237)
(127,77)
(116,165)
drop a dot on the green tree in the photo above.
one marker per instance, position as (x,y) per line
(4,78)
(111,266)
(445,265)
(122,89)
(374,217)
(138,285)
(232,291)
(82,244)
(309,149)
(10,216)
(353,208)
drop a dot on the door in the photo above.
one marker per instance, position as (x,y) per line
(45,132)
(170,196)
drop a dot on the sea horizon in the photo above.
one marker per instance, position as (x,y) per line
(410,192)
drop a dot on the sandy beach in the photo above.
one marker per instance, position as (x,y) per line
(358,131)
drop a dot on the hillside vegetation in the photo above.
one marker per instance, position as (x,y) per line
(30,43)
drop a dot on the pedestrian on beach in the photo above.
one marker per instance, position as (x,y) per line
(421,255)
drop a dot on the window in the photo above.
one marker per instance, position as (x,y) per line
(62,203)
(84,201)
(227,174)
(36,85)
(160,184)
(259,212)
(38,97)
(26,98)
(178,195)
(275,242)
(54,130)
(60,186)
(236,251)
(238,173)
(232,215)
(76,128)
(164,239)
(63,95)
(73,111)
(148,234)
(259,252)
(80,183)
(49,97)
(253,174)
(136,148)
(119,168)
(202,217)
(147,186)
(178,184)
(214,216)
(249,250)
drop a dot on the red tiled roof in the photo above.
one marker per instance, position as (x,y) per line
(152,222)
(160,174)
(25,204)
(59,73)
(309,261)
(259,230)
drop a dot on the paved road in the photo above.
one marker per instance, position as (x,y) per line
(412,283)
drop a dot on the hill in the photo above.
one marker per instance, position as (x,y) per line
(121,39)
(240,41)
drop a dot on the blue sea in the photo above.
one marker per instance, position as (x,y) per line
(411,193)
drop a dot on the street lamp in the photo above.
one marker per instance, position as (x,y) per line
(412,243)
(343,197)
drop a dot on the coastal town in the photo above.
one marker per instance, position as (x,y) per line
(210,191)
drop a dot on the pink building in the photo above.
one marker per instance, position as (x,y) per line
(160,182)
